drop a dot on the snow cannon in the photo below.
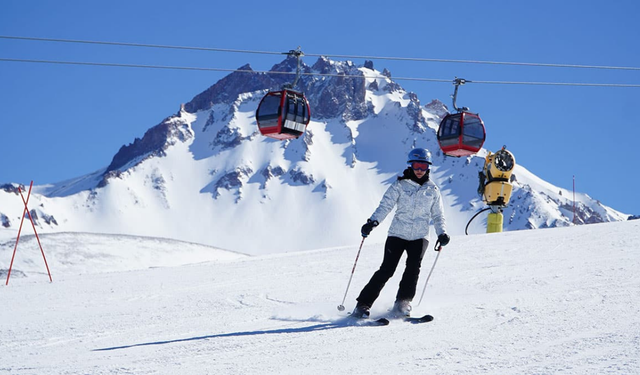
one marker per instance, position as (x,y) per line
(495,185)
(495,178)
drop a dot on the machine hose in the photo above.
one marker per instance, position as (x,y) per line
(474,216)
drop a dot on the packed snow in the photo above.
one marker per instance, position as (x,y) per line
(561,300)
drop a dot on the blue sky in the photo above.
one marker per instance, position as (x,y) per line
(63,121)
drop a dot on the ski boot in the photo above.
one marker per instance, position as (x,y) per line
(401,309)
(361,312)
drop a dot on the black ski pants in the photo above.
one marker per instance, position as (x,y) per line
(393,249)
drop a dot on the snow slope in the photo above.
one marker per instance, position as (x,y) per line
(77,253)
(523,302)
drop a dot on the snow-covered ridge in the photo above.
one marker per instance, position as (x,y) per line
(206,175)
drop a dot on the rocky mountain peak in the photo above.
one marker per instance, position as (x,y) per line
(154,142)
(437,107)
(228,88)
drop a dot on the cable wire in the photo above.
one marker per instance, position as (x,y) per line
(316,74)
(548,65)
(486,62)
(137,45)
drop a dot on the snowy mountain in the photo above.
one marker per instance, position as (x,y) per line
(561,300)
(206,175)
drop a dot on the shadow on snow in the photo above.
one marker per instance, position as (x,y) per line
(317,327)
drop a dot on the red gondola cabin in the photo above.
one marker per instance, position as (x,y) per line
(461,134)
(283,114)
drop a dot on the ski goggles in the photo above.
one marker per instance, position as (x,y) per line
(418,166)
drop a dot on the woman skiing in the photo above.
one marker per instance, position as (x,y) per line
(418,203)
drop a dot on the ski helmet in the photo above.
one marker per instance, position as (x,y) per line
(419,154)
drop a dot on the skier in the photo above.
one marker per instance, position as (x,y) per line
(418,202)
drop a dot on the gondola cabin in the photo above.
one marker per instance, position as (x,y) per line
(461,134)
(283,114)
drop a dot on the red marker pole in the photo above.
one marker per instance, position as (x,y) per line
(18,238)
(34,229)
(26,211)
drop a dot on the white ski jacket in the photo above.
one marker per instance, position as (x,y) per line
(417,206)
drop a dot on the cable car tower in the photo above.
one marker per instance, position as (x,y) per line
(284,114)
(461,133)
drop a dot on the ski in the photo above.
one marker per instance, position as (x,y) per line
(371,322)
(422,319)
(380,322)
(367,322)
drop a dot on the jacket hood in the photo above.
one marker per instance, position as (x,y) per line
(408,174)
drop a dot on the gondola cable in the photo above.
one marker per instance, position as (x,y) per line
(417,59)
(121,65)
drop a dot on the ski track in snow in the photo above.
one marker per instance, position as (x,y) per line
(561,300)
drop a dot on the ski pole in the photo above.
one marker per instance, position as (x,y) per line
(341,306)
(436,248)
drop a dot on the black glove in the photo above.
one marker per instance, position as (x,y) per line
(368,227)
(444,239)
